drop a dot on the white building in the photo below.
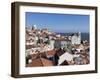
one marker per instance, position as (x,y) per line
(34,26)
(35,39)
(61,43)
(76,38)
(64,44)
(65,57)
(58,35)
(52,42)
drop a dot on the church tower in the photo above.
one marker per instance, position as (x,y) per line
(79,37)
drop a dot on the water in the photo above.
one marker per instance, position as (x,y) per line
(84,36)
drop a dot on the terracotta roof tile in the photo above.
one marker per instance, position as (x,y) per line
(40,62)
(51,53)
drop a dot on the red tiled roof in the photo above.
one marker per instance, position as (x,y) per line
(60,52)
(40,62)
(51,53)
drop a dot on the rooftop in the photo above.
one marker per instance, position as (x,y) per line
(40,62)
(51,53)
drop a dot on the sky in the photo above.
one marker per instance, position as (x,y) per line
(63,23)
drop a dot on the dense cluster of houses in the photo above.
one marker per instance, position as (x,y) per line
(46,48)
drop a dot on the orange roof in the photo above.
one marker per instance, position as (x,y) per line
(40,62)
(51,53)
